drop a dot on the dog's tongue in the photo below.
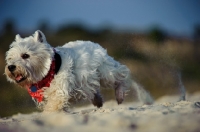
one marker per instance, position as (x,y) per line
(18,78)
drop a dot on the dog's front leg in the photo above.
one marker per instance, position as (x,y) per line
(54,105)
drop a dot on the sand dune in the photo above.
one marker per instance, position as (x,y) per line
(165,115)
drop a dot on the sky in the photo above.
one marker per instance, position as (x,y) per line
(174,16)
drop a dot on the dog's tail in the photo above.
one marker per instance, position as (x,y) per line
(142,94)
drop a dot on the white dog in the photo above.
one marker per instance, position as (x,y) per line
(54,76)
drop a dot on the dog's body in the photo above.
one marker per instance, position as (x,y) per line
(75,70)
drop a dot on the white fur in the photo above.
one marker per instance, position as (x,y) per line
(85,67)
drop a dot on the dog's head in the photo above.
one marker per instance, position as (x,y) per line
(28,60)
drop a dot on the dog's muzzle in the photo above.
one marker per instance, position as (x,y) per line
(11,68)
(17,77)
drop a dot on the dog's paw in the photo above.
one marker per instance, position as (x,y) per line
(97,101)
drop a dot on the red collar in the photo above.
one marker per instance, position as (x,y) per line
(35,90)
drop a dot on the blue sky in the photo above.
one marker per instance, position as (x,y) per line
(175,16)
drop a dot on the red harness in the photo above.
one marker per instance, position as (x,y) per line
(35,90)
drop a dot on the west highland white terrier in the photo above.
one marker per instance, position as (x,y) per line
(54,76)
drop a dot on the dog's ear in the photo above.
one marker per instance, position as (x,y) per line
(39,37)
(18,38)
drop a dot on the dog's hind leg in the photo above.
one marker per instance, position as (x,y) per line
(119,92)
(97,100)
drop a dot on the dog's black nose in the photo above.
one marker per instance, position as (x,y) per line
(11,68)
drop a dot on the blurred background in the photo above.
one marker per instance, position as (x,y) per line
(158,40)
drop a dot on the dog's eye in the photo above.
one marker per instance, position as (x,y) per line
(25,56)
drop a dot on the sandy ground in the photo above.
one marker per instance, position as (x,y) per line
(165,115)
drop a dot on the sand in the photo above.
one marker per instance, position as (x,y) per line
(165,115)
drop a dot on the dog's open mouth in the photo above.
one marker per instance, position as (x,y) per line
(19,78)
